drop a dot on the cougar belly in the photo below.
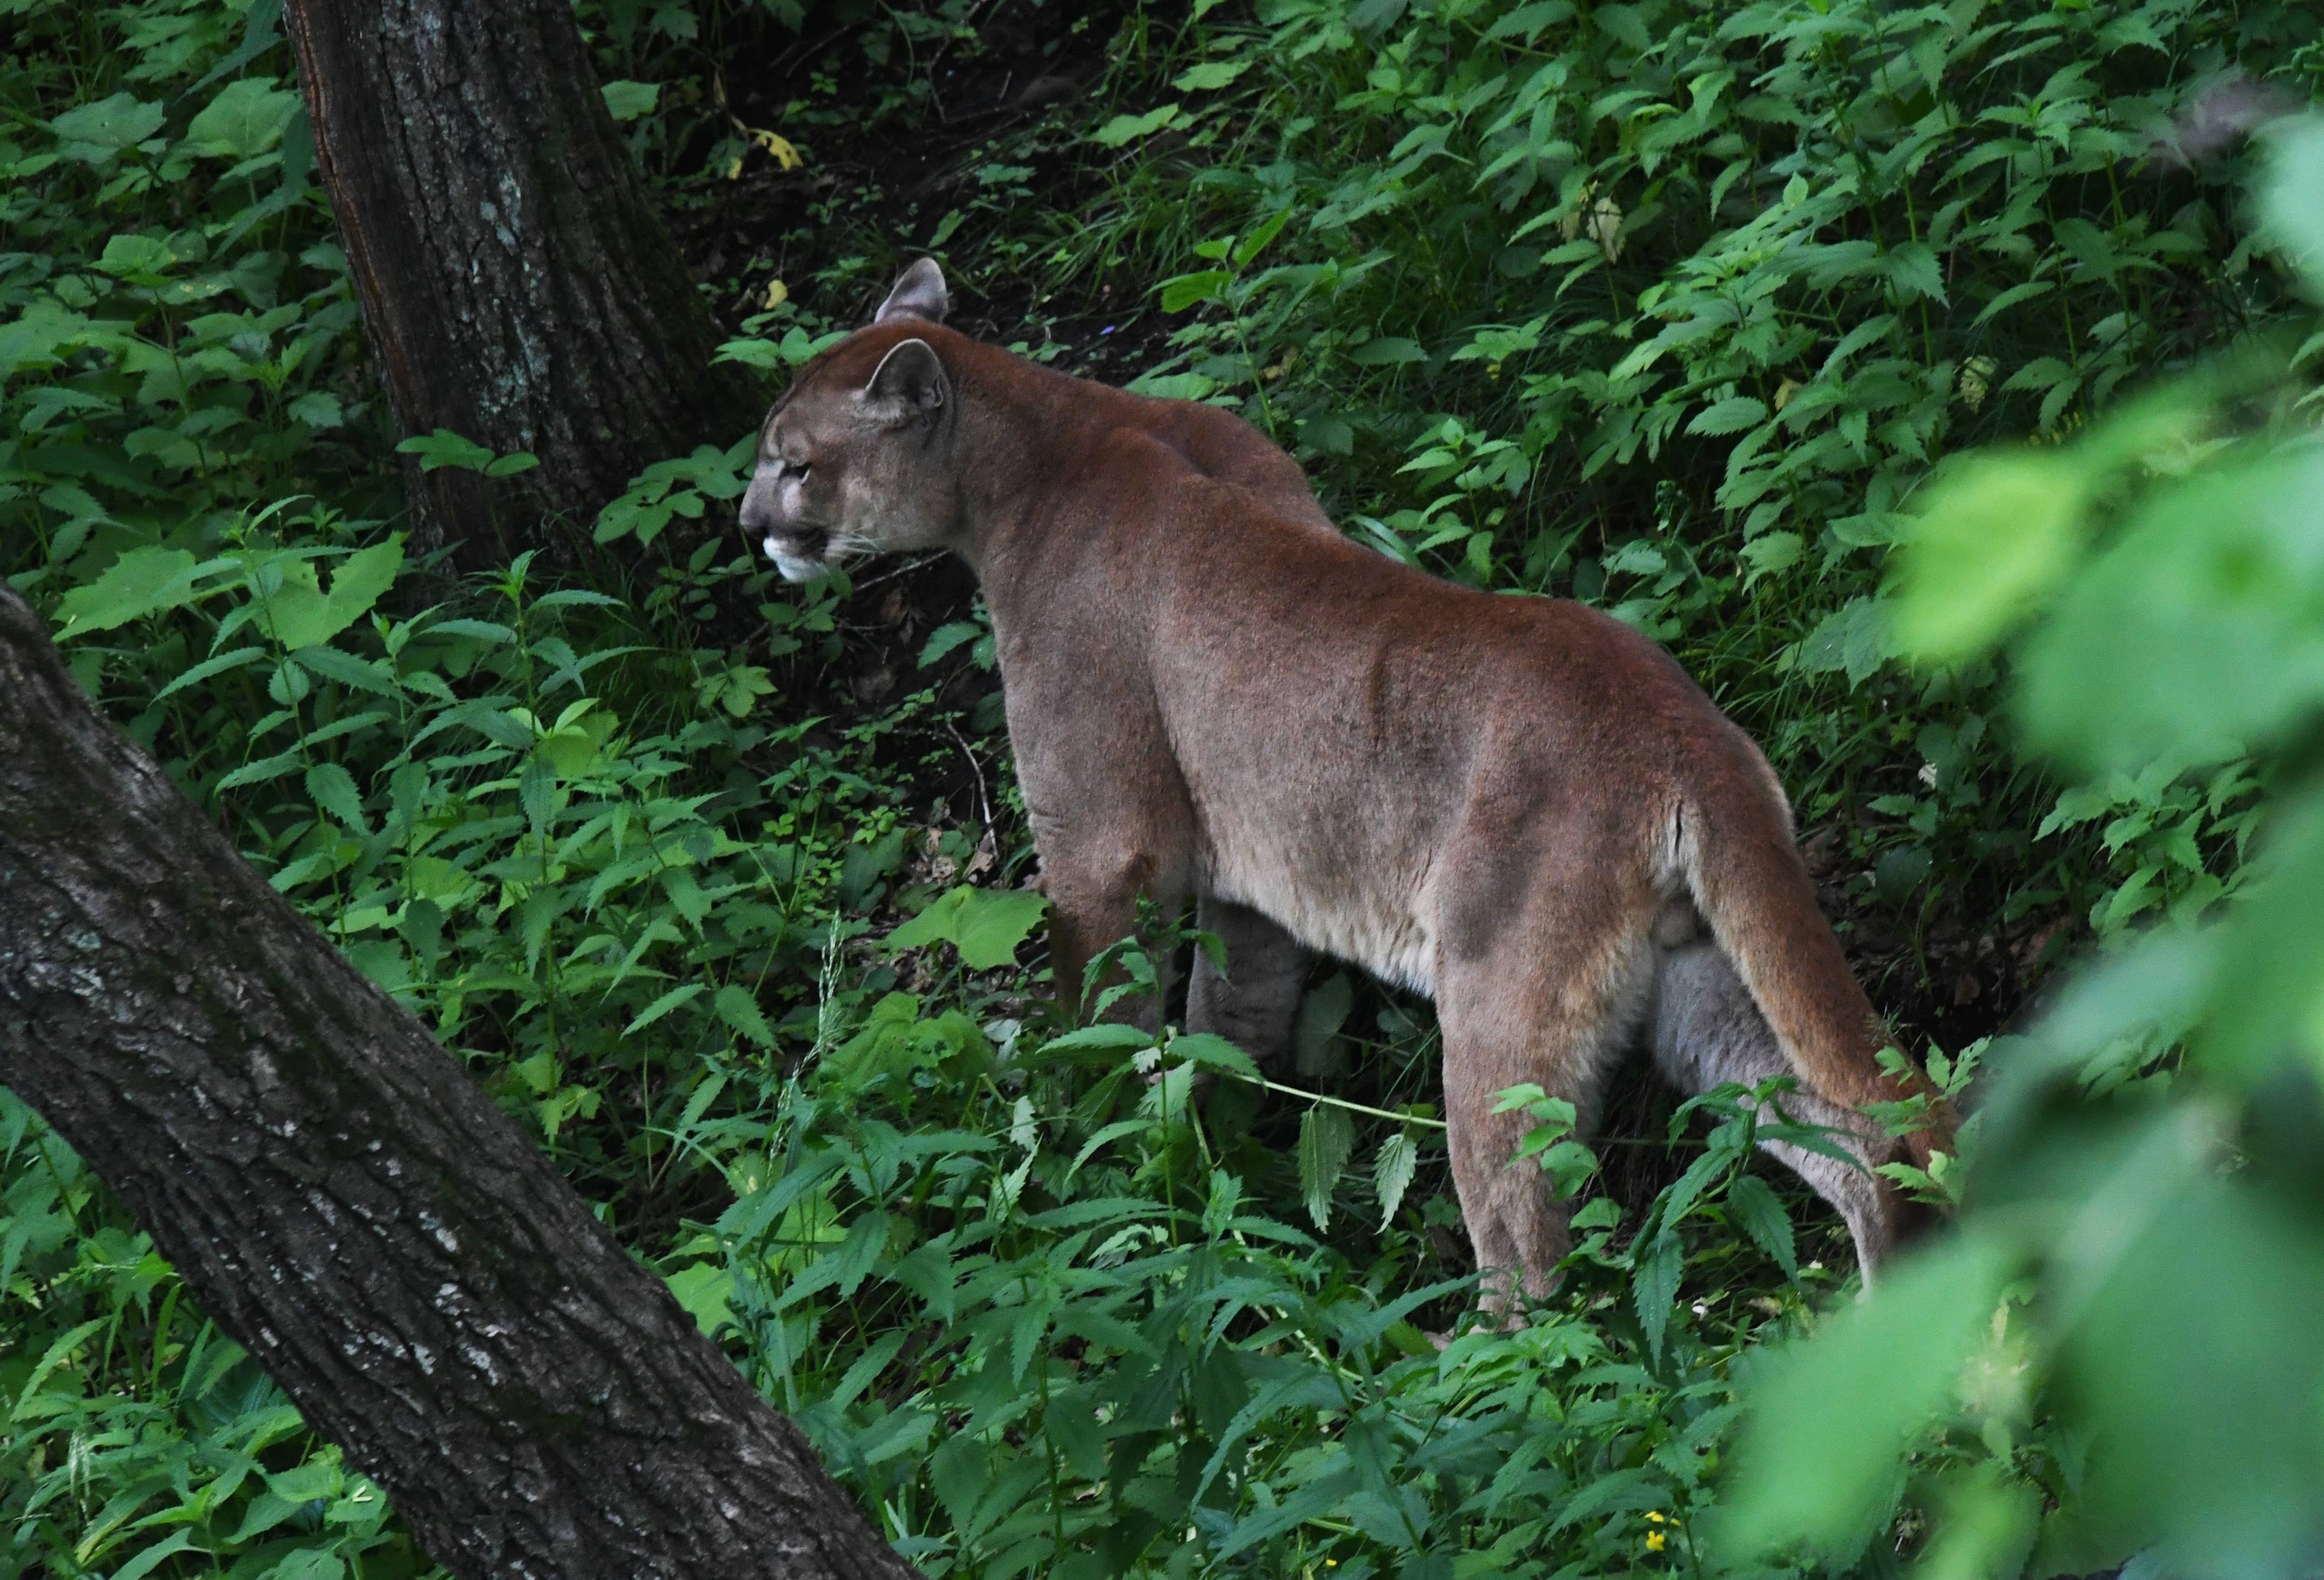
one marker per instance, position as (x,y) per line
(1367,906)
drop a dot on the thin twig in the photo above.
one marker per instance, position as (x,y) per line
(904,569)
(1438,1123)
(1334,1102)
(983,802)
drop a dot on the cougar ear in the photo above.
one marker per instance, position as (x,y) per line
(908,382)
(919,294)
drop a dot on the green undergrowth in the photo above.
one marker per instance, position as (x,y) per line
(1672,308)
(1669,308)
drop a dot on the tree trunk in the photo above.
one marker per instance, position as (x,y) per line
(517,287)
(351,1208)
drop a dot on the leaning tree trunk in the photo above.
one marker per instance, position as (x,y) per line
(351,1208)
(517,287)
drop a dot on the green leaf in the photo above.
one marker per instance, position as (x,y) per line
(1638,1488)
(1209,75)
(626,100)
(674,999)
(240,658)
(141,582)
(154,1556)
(1326,1141)
(936,924)
(329,664)
(2024,290)
(246,119)
(1997,535)
(993,922)
(318,409)
(302,620)
(1322,1011)
(1184,291)
(1600,1212)
(765,356)
(1173,386)
(1828,1421)
(985,925)
(1124,129)
(2263,1006)
(1770,552)
(2210,596)
(1654,1285)
(1392,1171)
(444,448)
(945,638)
(1387,351)
(1759,1214)
(1899,872)
(1914,269)
(1732,415)
(262,771)
(1854,637)
(142,259)
(96,133)
(2293,218)
(706,1291)
(1213,1052)
(686,893)
(740,1012)
(333,789)
(1105,1035)
(1255,243)
(304,1483)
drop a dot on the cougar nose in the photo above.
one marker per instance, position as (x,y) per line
(757,514)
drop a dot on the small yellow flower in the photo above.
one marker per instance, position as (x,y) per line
(1654,1517)
(1655,1540)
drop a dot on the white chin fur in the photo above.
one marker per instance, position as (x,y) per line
(792,566)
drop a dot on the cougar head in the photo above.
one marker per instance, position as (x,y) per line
(856,458)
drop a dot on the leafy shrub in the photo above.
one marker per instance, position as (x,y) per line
(2160,1251)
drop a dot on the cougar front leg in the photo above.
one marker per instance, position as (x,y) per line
(1255,1003)
(1093,885)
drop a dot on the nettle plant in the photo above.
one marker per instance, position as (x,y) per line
(1028,1294)
(181,336)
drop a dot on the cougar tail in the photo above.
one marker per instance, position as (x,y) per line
(1748,880)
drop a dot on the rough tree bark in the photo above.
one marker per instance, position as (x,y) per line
(351,1208)
(517,287)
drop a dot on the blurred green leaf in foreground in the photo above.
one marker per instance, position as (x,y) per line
(2146,1272)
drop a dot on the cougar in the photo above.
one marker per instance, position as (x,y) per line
(1518,806)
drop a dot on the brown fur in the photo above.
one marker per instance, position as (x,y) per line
(1517,804)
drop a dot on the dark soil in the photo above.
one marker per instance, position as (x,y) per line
(877,185)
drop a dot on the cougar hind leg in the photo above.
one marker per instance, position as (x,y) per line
(1705,1030)
(1559,1018)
